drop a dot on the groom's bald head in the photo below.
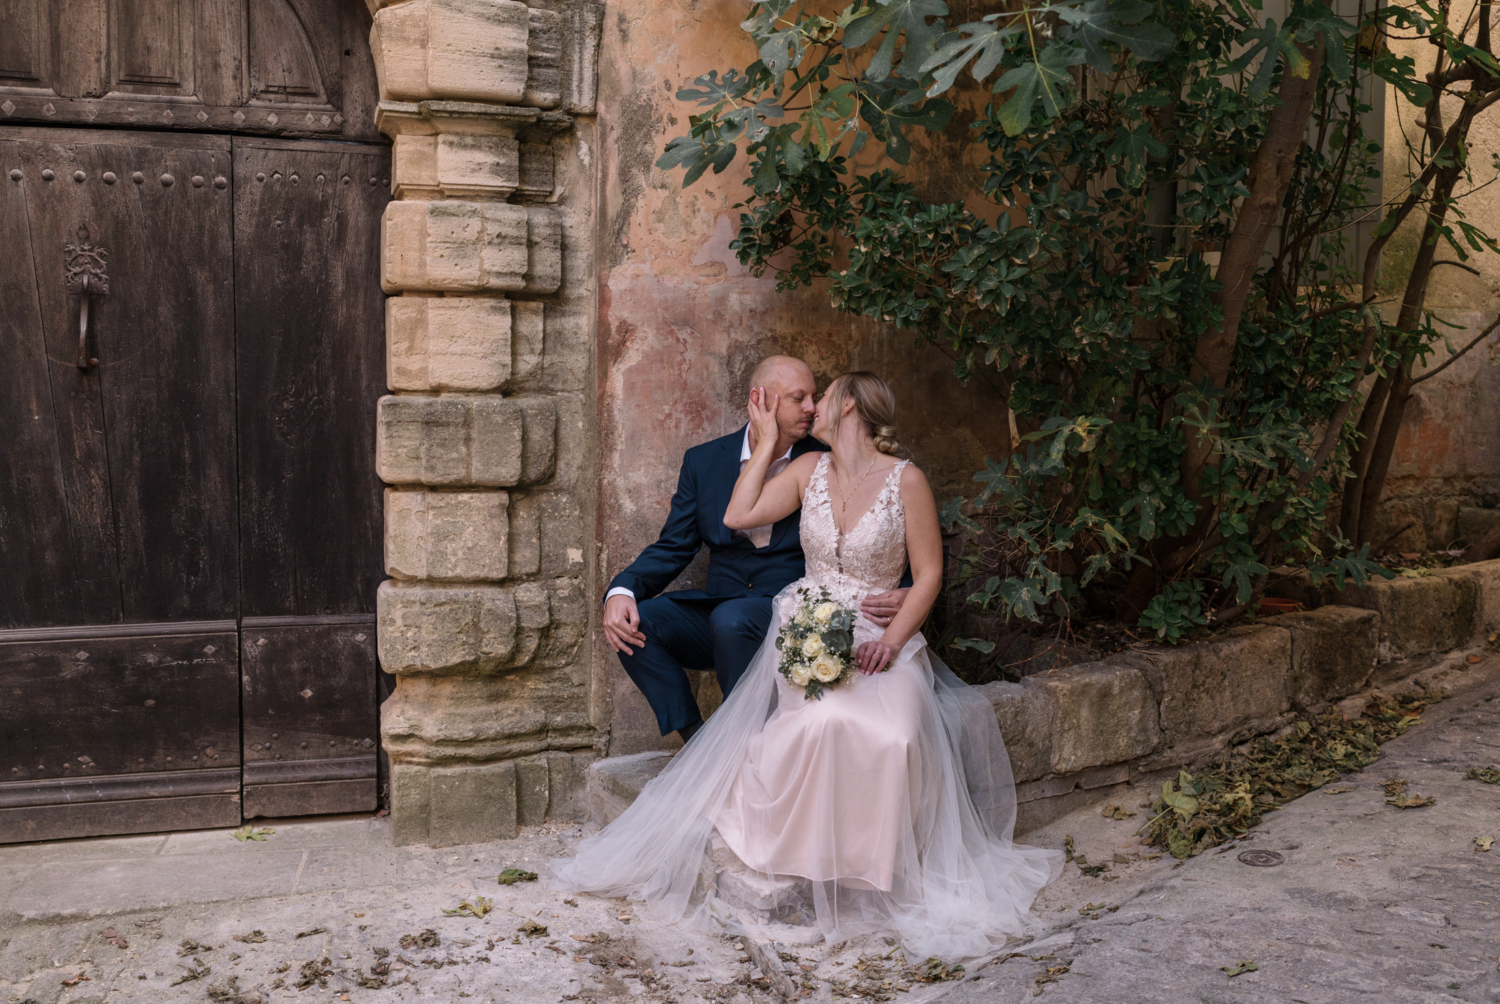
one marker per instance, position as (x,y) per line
(791,380)
(782,371)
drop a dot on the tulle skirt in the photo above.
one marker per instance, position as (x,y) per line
(885,807)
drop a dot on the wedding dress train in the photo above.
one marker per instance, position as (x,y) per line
(889,800)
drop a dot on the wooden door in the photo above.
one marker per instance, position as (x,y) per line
(279,67)
(190,522)
(310,318)
(119,698)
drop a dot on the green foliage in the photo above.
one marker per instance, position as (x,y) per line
(1116,140)
(1175,612)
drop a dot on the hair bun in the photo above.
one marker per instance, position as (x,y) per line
(885,439)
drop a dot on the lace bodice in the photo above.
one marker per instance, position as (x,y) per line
(872,555)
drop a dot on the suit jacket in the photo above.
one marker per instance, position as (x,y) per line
(736,567)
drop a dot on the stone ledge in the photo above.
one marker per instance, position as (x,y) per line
(1086,733)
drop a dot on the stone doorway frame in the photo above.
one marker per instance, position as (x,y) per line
(486,437)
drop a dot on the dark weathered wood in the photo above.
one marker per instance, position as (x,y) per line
(311,367)
(309,712)
(94,819)
(119,787)
(145,437)
(40,584)
(91,707)
(278,67)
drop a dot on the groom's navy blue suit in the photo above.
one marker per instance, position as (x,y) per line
(720,626)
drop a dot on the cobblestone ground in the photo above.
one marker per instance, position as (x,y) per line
(1372,903)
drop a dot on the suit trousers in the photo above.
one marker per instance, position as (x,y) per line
(698,634)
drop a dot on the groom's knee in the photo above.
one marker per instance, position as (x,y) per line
(740,620)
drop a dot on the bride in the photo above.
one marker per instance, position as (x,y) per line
(884,806)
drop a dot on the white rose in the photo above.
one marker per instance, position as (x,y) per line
(827,668)
(812,646)
(824,612)
(801,673)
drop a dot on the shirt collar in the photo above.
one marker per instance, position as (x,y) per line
(745,449)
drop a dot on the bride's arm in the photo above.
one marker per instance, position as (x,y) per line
(756,501)
(924,547)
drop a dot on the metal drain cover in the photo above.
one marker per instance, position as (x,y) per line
(1261,859)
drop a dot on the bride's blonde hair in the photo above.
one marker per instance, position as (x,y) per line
(874,405)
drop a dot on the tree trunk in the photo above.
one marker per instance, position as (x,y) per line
(1213,356)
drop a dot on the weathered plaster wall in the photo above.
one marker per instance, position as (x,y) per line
(682,323)
(1448,457)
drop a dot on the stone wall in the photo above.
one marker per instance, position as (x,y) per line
(1447,458)
(486,439)
(682,322)
(1090,732)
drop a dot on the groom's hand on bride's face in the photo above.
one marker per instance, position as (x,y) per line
(881,607)
(622,624)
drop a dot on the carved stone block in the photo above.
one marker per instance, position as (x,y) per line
(455,166)
(447,535)
(448,343)
(470,49)
(544,59)
(470,247)
(544,241)
(462,630)
(488,441)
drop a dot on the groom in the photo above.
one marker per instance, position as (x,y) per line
(719,627)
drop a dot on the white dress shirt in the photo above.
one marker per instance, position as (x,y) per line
(760,536)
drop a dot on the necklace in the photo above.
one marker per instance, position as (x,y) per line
(843,497)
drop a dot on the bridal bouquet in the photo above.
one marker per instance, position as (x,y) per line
(817,643)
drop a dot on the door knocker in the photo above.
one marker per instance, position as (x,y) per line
(84,273)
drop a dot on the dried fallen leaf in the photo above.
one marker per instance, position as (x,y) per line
(190,947)
(532,929)
(198,971)
(1394,785)
(115,938)
(1474,660)
(1117,812)
(249,832)
(255,937)
(427,939)
(570,901)
(1483,843)
(1416,800)
(312,931)
(1243,966)
(75,980)
(1489,775)
(1052,975)
(513,875)
(477,907)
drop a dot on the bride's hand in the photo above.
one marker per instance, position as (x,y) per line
(875,657)
(763,415)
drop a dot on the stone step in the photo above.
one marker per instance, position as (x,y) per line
(614,782)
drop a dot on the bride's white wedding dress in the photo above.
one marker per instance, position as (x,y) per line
(889,799)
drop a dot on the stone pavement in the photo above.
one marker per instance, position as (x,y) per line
(1373,903)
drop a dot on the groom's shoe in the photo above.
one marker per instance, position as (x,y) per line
(687,731)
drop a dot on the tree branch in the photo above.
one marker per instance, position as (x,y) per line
(1459,354)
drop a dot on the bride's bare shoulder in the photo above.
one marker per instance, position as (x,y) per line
(806,464)
(912,479)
